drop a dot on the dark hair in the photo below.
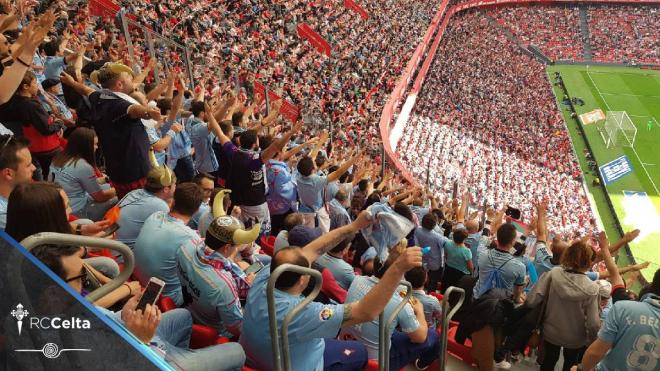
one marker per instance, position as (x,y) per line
(248,139)
(287,279)
(236,118)
(292,220)
(403,210)
(187,198)
(343,244)
(460,235)
(577,257)
(265,141)
(653,287)
(305,166)
(197,107)
(165,104)
(26,80)
(34,208)
(51,256)
(506,234)
(80,145)
(9,147)
(52,47)
(438,214)
(363,184)
(429,221)
(341,195)
(200,176)
(416,277)
(226,127)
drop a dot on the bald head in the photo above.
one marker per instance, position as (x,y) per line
(472,226)
(288,255)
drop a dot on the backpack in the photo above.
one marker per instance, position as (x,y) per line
(493,280)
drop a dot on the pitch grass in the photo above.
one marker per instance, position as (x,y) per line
(637,92)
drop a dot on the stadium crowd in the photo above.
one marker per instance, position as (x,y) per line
(213,191)
(498,134)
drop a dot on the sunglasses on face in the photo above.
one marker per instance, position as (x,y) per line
(82,277)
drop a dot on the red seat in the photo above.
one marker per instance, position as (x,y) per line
(460,351)
(202,336)
(372,365)
(267,244)
(437,295)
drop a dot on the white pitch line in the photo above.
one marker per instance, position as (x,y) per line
(632,95)
(633,148)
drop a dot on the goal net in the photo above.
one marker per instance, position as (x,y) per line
(619,130)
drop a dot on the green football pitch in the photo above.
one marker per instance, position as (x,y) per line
(635,197)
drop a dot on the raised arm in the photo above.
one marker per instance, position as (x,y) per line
(342,169)
(79,87)
(327,241)
(277,145)
(315,151)
(542,221)
(372,304)
(294,151)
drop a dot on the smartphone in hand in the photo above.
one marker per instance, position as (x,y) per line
(151,293)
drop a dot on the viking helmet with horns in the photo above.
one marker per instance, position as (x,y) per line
(226,229)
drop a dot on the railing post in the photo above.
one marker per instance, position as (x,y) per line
(191,83)
(73,240)
(384,329)
(152,53)
(127,36)
(446,317)
(281,356)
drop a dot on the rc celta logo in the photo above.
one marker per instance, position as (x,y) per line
(48,323)
(19,313)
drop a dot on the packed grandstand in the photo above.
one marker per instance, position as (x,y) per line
(227,141)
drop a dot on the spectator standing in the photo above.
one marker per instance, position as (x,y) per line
(434,261)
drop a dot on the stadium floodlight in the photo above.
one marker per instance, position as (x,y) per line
(619,130)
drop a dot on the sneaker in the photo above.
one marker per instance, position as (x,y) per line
(502,365)
(417,366)
(515,358)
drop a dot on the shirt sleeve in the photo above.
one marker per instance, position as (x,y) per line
(467,253)
(36,116)
(407,320)
(608,332)
(520,275)
(87,177)
(119,110)
(317,320)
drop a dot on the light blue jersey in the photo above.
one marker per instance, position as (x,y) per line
(306,331)
(310,192)
(633,328)
(342,271)
(155,251)
(202,141)
(78,180)
(367,333)
(135,208)
(215,298)
(432,308)
(435,259)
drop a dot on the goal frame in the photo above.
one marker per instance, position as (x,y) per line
(619,130)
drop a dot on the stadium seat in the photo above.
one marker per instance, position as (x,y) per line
(267,244)
(202,336)
(460,351)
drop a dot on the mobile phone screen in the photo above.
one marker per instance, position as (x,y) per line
(150,295)
(254,268)
(111,229)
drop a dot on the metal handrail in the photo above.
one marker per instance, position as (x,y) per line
(446,317)
(70,239)
(384,329)
(281,357)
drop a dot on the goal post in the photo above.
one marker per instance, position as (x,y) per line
(619,130)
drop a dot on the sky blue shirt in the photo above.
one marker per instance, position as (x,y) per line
(38,61)
(135,208)
(310,191)
(367,333)
(512,273)
(282,192)
(78,180)
(434,260)
(180,146)
(342,271)
(633,328)
(432,308)
(457,256)
(473,241)
(202,141)
(3,212)
(306,331)
(53,67)
(155,251)
(197,216)
(154,137)
(215,298)
(543,262)
(64,109)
